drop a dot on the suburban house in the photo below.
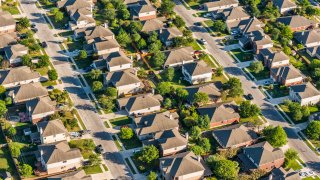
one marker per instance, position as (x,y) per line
(261,156)
(286,75)
(310,38)
(7,23)
(140,104)
(220,114)
(220,5)
(153,24)
(7,40)
(74,175)
(92,34)
(168,141)
(245,26)
(125,81)
(314,51)
(106,47)
(146,126)
(305,94)
(52,131)
(58,157)
(178,56)
(40,108)
(235,136)
(297,22)
(167,35)
(213,90)
(18,76)
(280,173)
(183,166)
(26,92)
(234,14)
(273,59)
(131,3)
(284,6)
(117,61)
(15,52)
(143,12)
(197,72)
(257,40)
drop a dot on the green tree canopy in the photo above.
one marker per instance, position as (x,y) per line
(52,74)
(195,132)
(126,133)
(123,38)
(226,169)
(313,130)
(256,66)
(94,159)
(26,170)
(149,154)
(164,88)
(234,87)
(97,86)
(168,74)
(111,92)
(276,136)
(157,59)
(200,98)
(246,109)
(83,54)
(3,108)
(95,74)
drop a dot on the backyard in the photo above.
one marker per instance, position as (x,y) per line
(6,161)
(144,167)
(242,56)
(277,90)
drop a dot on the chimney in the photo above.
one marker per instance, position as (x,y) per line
(187,136)
(41,152)
(302,33)
(105,25)
(152,91)
(199,158)
(170,116)
(40,130)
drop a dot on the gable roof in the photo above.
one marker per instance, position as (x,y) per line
(220,111)
(40,105)
(286,72)
(220,3)
(96,32)
(170,33)
(15,51)
(262,153)
(27,92)
(116,59)
(235,13)
(282,174)
(179,55)
(197,68)
(212,89)
(72,5)
(234,135)
(153,24)
(144,8)
(183,164)
(139,102)
(168,139)
(307,37)
(274,56)
(305,90)
(153,123)
(296,21)
(74,175)
(17,74)
(7,39)
(52,127)
(58,152)
(6,19)
(106,44)
(122,78)
(282,4)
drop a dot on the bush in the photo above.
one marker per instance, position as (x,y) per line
(149,154)
(276,136)
(126,133)
(52,74)
(26,170)
(97,86)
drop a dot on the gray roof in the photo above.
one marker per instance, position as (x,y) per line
(116,59)
(282,4)
(235,13)
(153,24)
(154,123)
(139,102)
(170,33)
(144,8)
(7,39)
(27,92)
(94,32)
(75,175)
(197,68)
(286,72)
(168,139)
(40,105)
(58,152)
(179,55)
(273,56)
(122,78)
(305,90)
(263,153)
(72,5)
(107,44)
(6,19)
(183,164)
(212,89)
(82,15)
(220,3)
(234,135)
(296,21)
(51,128)
(17,74)
(220,111)
(282,174)
(314,50)
(307,37)
(15,51)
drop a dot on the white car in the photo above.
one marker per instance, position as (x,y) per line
(203,41)
(207,15)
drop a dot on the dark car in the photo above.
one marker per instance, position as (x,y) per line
(33,25)
(99,149)
(34,30)
(50,88)
(83,132)
(250,97)
(197,24)
(44,44)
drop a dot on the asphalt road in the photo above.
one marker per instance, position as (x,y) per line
(230,67)
(80,99)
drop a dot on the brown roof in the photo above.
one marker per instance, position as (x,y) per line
(72,5)
(40,105)
(220,112)
(139,102)
(18,74)
(75,175)
(144,8)
(282,174)
(168,139)
(96,32)
(305,90)
(15,51)
(307,37)
(282,4)
(7,39)
(153,24)
(170,33)
(296,21)
(179,55)
(27,92)
(220,3)
(116,59)
(271,56)
(51,128)
(122,78)
(6,19)
(107,44)
(197,68)
(212,89)
(286,72)
(235,13)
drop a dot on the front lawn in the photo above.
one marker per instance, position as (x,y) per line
(86,146)
(144,167)
(60,24)
(286,109)
(69,121)
(83,63)
(74,45)
(242,56)
(264,74)
(121,121)
(132,143)
(195,45)
(92,169)
(10,7)
(293,164)
(6,161)
(48,83)
(277,91)
(43,71)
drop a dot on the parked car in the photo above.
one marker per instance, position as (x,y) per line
(197,23)
(74,134)
(250,97)
(33,25)
(203,41)
(99,149)
(44,44)
(34,30)
(207,15)
(50,88)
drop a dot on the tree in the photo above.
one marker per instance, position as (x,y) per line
(204,122)
(136,37)
(43,61)
(167,7)
(126,133)
(54,10)
(219,26)
(246,109)
(8,101)
(256,66)
(2,90)
(26,170)
(94,159)
(24,23)
(11,131)
(200,98)
(58,17)
(83,54)
(52,74)
(157,59)
(14,149)
(135,26)
(305,111)
(164,88)
(205,144)
(226,169)
(149,154)
(219,71)
(26,60)
(97,86)
(287,50)
(179,22)
(313,130)
(95,74)
(234,87)
(106,103)
(152,176)
(123,38)
(291,154)
(111,92)
(167,103)
(195,132)
(124,13)
(276,136)
(154,47)
(3,108)
(182,93)
(197,150)
(141,44)
(168,74)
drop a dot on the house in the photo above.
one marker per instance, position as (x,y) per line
(169,34)
(235,14)
(220,114)
(7,23)
(73,4)
(183,166)
(284,6)
(26,92)
(314,51)
(197,72)
(131,3)
(261,156)
(305,94)
(18,76)
(274,59)
(117,61)
(256,39)
(15,52)
(178,57)
(143,12)
(140,104)
(40,108)
(106,47)
(58,157)
(286,75)
(310,38)
(74,175)
(125,81)
(234,136)
(245,26)
(81,18)
(168,141)
(213,90)
(151,25)
(52,131)
(7,40)
(147,126)
(92,34)
(220,5)
(282,174)
(297,22)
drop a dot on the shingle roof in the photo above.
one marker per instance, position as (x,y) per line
(305,90)
(122,78)
(15,51)
(212,89)
(282,4)
(274,56)
(144,8)
(197,68)
(116,59)
(18,74)
(235,13)
(234,135)
(58,152)
(263,153)
(307,37)
(220,111)
(286,72)
(168,139)
(74,175)
(40,105)
(282,174)
(139,102)
(27,92)
(6,19)
(7,39)
(179,55)
(153,24)
(296,21)
(96,32)
(52,127)
(154,123)
(220,3)
(183,164)
(82,15)
(170,33)
(72,5)
(107,44)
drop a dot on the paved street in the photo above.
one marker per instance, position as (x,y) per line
(270,113)
(71,83)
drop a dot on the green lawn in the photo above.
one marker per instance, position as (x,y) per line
(132,143)
(10,7)
(46,4)
(207,59)
(116,141)
(242,56)
(43,71)
(130,166)
(59,25)
(82,63)
(86,146)
(48,83)
(293,164)
(121,121)
(106,124)
(195,45)
(75,45)
(177,80)
(277,91)
(264,74)
(67,119)
(105,167)
(6,161)
(92,169)
(254,120)
(311,178)
(66,33)
(144,167)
